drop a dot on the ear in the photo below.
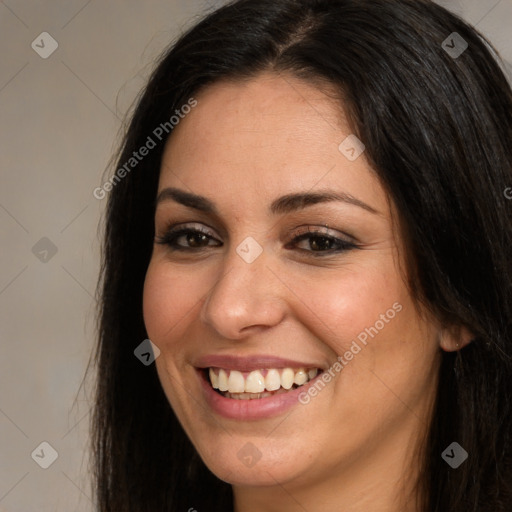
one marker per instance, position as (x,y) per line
(454,338)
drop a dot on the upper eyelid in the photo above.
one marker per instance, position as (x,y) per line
(325,231)
(190,226)
(298,231)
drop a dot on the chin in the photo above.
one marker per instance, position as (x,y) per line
(253,461)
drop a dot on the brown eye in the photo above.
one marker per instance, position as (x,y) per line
(188,239)
(320,244)
(194,240)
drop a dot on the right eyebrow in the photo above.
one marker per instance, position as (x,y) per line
(195,201)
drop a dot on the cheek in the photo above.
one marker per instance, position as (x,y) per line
(342,306)
(367,317)
(169,296)
(384,345)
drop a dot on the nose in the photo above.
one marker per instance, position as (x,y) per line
(246,298)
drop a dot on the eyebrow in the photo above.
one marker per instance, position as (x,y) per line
(284,204)
(186,199)
(292,202)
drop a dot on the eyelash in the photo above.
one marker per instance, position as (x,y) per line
(171,237)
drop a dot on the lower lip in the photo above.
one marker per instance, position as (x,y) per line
(255,409)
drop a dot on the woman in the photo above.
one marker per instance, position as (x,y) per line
(308,221)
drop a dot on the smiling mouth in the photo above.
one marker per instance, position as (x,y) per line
(258,383)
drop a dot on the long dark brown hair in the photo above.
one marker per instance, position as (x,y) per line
(438,132)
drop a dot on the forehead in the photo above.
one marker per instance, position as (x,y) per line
(265,137)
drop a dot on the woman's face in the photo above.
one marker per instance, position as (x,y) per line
(276,253)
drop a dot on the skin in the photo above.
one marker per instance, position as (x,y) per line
(352,447)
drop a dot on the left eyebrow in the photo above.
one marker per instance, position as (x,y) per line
(292,202)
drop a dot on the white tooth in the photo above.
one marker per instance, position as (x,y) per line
(214,379)
(255,383)
(236,382)
(287,378)
(223,380)
(301,377)
(272,380)
(312,373)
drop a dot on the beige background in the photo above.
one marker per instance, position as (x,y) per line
(59,119)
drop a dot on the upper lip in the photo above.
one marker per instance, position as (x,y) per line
(250,363)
